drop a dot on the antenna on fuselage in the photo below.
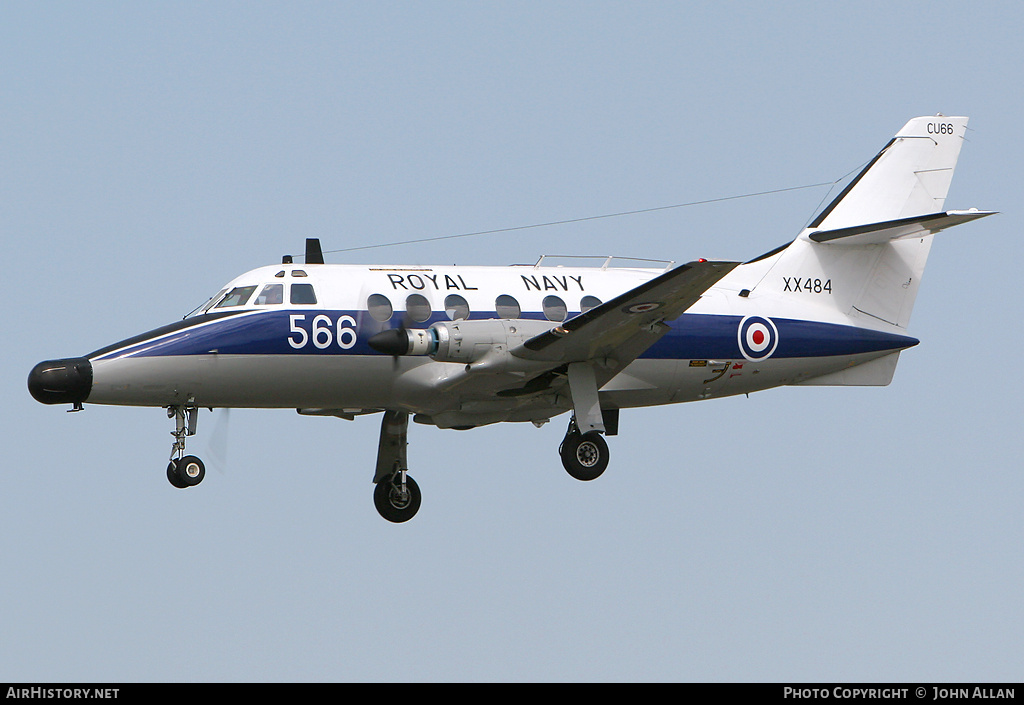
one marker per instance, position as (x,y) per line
(314,255)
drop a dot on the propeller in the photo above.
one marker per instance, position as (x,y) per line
(218,440)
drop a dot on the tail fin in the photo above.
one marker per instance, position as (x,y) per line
(909,177)
(865,253)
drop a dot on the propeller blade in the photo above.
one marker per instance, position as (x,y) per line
(218,440)
(402,323)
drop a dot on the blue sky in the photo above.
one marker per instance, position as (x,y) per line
(153,151)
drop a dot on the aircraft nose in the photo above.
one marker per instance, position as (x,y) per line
(67,381)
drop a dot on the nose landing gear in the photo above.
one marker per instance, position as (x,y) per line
(184,470)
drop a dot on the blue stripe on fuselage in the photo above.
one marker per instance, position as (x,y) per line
(692,336)
(710,336)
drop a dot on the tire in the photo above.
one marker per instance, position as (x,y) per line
(391,505)
(584,456)
(172,475)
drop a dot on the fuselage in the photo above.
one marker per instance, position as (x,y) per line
(295,336)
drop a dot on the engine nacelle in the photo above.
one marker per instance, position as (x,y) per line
(472,341)
(466,342)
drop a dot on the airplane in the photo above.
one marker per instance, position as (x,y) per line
(459,347)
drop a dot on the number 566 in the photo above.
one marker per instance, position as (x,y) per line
(322,333)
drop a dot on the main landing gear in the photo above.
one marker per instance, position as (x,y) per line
(584,452)
(396,495)
(584,455)
(184,470)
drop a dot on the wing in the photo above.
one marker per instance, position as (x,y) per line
(593,347)
(618,331)
(577,357)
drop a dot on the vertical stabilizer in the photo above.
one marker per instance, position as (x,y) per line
(909,177)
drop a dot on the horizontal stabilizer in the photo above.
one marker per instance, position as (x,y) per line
(887,231)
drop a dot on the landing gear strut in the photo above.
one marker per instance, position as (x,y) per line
(584,455)
(184,470)
(396,495)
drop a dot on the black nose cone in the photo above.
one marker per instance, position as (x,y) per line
(61,381)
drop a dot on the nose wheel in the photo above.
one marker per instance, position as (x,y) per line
(187,471)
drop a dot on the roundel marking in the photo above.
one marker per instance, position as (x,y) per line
(758,337)
(643,308)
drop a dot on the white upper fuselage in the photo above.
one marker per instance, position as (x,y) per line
(259,349)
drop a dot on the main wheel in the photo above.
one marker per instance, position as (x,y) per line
(395,503)
(191,471)
(584,456)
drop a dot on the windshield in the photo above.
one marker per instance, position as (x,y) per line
(236,297)
(270,294)
(203,308)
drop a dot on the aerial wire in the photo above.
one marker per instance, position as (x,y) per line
(587,218)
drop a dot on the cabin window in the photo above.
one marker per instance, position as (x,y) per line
(298,273)
(303,294)
(417,307)
(589,302)
(507,307)
(271,294)
(236,297)
(379,307)
(554,308)
(456,307)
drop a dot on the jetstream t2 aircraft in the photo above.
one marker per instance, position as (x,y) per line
(460,347)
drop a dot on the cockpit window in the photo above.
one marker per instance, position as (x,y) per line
(208,305)
(271,294)
(303,294)
(236,297)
